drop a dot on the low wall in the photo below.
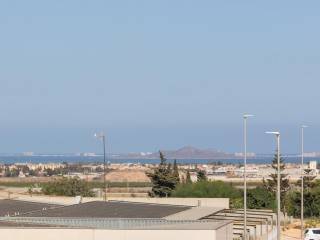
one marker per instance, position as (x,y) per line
(99,234)
(204,202)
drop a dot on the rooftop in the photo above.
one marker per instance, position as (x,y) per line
(107,215)
(15,207)
(111,209)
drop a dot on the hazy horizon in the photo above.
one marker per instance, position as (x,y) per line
(158,75)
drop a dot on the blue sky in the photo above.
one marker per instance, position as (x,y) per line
(157,74)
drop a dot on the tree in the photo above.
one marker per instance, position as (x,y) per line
(311,203)
(7,172)
(188,178)
(162,178)
(14,172)
(311,198)
(49,172)
(176,172)
(162,158)
(308,180)
(33,172)
(201,176)
(271,184)
(25,169)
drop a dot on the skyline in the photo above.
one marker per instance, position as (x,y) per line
(158,75)
(123,141)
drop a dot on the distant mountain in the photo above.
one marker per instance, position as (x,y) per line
(187,152)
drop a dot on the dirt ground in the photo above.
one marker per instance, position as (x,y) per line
(291,234)
(127,176)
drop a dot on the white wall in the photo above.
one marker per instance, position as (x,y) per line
(204,202)
(225,232)
(99,234)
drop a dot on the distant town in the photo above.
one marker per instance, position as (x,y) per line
(215,168)
(134,171)
(187,152)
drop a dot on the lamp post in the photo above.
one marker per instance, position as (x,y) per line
(102,137)
(277,134)
(245,118)
(302,174)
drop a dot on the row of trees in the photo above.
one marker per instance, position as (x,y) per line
(291,193)
(48,172)
(14,172)
(165,181)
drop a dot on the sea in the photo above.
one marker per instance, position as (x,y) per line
(99,159)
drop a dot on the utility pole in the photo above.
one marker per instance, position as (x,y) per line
(245,118)
(277,134)
(102,137)
(302,175)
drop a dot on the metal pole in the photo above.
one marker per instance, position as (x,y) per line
(278,189)
(245,117)
(245,178)
(302,173)
(104,168)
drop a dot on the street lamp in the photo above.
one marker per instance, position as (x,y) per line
(245,118)
(302,174)
(102,137)
(277,134)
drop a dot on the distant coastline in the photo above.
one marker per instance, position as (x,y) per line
(92,159)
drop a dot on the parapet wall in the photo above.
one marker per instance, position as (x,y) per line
(203,202)
(99,234)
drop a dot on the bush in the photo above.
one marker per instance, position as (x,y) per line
(68,187)
(311,203)
(259,198)
(214,189)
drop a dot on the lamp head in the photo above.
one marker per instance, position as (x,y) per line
(274,133)
(247,115)
(99,135)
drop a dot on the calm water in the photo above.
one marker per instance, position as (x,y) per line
(79,159)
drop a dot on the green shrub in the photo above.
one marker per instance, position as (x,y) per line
(207,189)
(67,187)
(260,198)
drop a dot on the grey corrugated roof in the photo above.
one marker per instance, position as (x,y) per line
(14,207)
(112,209)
